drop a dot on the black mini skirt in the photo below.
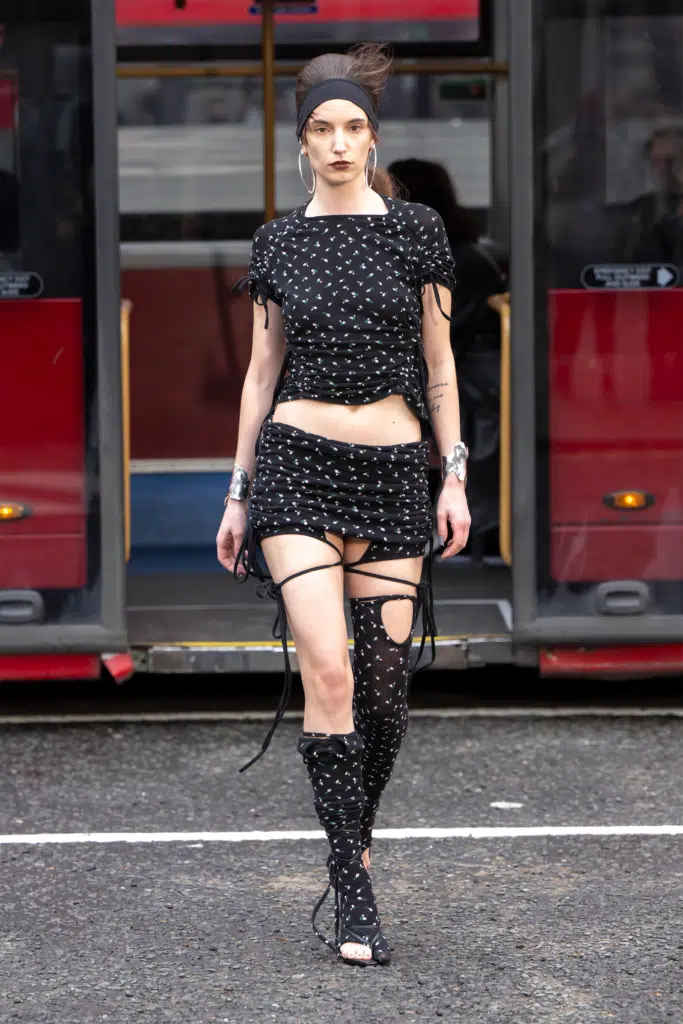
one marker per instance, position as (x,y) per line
(305,483)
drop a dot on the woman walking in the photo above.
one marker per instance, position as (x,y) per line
(351,369)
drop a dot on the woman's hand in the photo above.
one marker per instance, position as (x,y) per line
(231,534)
(451,509)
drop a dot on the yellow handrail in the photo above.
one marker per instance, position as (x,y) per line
(501,303)
(126,307)
(254,69)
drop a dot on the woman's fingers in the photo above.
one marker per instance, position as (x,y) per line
(442,523)
(225,549)
(230,536)
(228,543)
(237,544)
(460,527)
(453,516)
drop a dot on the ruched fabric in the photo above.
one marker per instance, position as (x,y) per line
(350,288)
(305,482)
(309,484)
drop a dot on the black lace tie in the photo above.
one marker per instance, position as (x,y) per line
(257,291)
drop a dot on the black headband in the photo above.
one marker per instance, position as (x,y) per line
(335,89)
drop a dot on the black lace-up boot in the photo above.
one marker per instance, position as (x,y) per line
(334,764)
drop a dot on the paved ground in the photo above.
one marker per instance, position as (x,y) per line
(485,931)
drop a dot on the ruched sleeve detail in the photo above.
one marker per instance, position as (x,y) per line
(433,261)
(258,280)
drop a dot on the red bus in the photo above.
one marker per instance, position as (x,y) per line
(562,129)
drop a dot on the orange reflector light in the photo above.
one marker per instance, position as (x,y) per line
(629,499)
(8,510)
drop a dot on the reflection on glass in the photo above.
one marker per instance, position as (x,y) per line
(191,149)
(609,258)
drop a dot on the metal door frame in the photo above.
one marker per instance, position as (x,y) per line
(110,633)
(528,627)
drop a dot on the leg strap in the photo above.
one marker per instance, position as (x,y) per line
(266,587)
(247,559)
(425,602)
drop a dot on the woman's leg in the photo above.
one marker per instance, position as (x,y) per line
(315,614)
(383,628)
(329,745)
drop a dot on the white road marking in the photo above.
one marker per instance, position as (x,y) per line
(380,833)
(116,717)
(505,805)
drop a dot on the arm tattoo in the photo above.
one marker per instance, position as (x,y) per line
(444,384)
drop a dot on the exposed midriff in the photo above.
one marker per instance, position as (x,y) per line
(387,421)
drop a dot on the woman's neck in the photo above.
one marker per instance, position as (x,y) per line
(344,199)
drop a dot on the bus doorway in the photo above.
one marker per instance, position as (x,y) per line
(597,310)
(207,151)
(61,557)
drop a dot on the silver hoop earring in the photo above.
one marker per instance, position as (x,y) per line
(301,172)
(368,184)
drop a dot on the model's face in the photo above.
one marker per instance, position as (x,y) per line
(337,140)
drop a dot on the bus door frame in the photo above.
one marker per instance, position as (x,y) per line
(109,634)
(528,626)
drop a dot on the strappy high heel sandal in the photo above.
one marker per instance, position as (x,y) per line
(346,929)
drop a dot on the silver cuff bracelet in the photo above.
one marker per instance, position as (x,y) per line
(455,462)
(239,485)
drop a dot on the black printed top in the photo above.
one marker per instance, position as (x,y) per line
(350,289)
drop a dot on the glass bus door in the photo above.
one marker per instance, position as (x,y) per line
(61,523)
(596,97)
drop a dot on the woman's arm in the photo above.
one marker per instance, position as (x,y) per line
(444,409)
(267,353)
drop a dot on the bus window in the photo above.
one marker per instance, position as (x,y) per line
(609,303)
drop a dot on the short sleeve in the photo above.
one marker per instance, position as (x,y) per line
(259,281)
(434,261)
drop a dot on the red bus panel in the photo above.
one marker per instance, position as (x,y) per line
(235,12)
(42,431)
(616,420)
(340,22)
(28,667)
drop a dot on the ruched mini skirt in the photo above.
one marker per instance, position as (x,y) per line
(308,484)
(305,483)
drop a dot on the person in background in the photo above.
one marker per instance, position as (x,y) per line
(653,232)
(475,339)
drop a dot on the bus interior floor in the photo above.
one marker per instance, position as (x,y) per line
(189,598)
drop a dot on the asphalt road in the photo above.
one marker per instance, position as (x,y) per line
(507,929)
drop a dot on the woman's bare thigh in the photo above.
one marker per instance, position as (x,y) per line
(315,608)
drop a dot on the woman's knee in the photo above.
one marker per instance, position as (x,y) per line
(330,685)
